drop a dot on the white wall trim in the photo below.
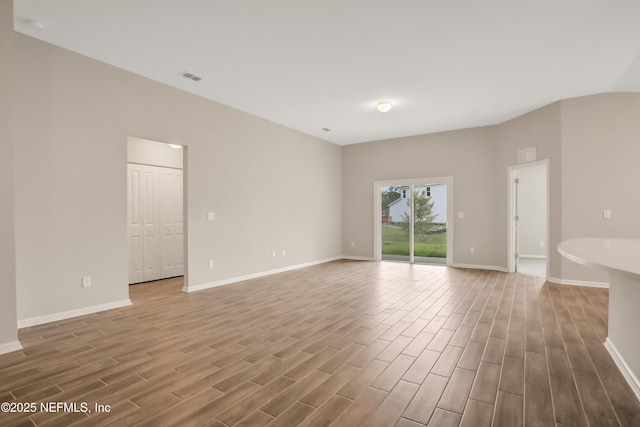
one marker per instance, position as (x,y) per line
(25,323)
(10,346)
(627,373)
(479,267)
(202,286)
(532,256)
(358,258)
(578,282)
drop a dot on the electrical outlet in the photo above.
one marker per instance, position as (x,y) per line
(542,243)
(353,244)
(273,254)
(460,215)
(472,250)
(284,253)
(606,214)
(210,263)
(86,281)
(211,216)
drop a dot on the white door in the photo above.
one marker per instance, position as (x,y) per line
(151,245)
(155,218)
(170,189)
(134,221)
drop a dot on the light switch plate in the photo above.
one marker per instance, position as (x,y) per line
(606,213)
(211,216)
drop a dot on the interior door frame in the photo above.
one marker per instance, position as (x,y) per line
(511,206)
(411,182)
(185,205)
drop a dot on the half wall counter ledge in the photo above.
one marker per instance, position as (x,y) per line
(620,259)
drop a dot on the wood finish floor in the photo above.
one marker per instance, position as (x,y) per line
(346,343)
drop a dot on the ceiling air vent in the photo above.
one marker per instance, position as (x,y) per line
(191,76)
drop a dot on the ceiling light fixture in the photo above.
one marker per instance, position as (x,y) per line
(176,146)
(383,106)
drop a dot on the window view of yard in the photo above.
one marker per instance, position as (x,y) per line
(395,241)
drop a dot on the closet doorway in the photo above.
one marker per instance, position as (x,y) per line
(155,210)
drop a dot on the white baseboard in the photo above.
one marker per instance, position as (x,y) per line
(358,258)
(578,283)
(10,346)
(532,256)
(202,286)
(627,373)
(479,267)
(25,323)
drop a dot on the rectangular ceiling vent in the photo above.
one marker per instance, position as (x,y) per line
(191,76)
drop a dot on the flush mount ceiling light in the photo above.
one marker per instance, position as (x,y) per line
(383,106)
(176,146)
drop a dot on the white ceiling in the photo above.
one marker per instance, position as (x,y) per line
(310,64)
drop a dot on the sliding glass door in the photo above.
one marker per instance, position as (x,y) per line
(413,223)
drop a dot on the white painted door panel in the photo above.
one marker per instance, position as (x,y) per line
(170,188)
(179,227)
(150,221)
(134,222)
(155,217)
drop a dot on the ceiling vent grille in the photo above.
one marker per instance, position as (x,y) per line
(191,76)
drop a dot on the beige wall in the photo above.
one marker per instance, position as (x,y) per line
(600,158)
(7,254)
(272,188)
(466,155)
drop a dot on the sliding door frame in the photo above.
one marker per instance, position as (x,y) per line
(411,183)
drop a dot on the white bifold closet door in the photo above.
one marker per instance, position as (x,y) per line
(155,222)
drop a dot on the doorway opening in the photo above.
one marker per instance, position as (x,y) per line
(413,220)
(529,218)
(155,210)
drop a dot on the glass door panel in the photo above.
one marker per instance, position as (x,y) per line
(396,223)
(430,223)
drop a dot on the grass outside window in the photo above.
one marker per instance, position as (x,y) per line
(395,241)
